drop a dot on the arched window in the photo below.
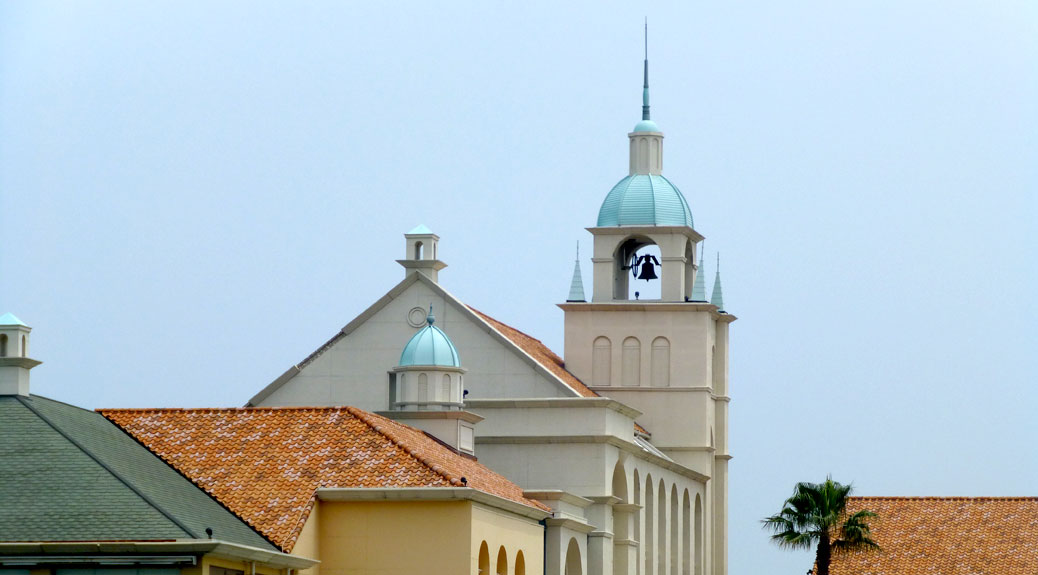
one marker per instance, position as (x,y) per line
(661,537)
(601,361)
(698,534)
(423,388)
(484,559)
(418,250)
(520,563)
(686,536)
(650,508)
(574,566)
(445,388)
(631,362)
(661,362)
(502,561)
(3,345)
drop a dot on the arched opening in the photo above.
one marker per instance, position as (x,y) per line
(601,361)
(620,482)
(650,508)
(502,561)
(661,362)
(675,555)
(484,559)
(637,500)
(520,563)
(686,536)
(690,269)
(3,345)
(573,563)
(631,362)
(661,538)
(418,250)
(698,535)
(637,270)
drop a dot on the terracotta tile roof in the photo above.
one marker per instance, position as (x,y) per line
(543,355)
(265,464)
(947,536)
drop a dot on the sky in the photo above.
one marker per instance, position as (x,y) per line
(194,196)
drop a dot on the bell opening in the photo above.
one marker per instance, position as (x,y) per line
(638,273)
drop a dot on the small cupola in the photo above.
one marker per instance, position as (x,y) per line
(429,376)
(427,389)
(15,362)
(420,253)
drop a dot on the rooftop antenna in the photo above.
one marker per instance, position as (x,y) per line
(645,86)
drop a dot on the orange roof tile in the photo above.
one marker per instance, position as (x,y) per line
(948,536)
(543,355)
(265,464)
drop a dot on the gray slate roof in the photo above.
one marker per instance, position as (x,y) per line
(68,474)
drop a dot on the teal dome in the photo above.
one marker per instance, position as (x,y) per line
(430,346)
(646,126)
(644,200)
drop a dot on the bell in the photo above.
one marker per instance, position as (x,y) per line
(648,271)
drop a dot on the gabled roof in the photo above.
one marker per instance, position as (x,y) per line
(947,535)
(67,474)
(528,348)
(266,464)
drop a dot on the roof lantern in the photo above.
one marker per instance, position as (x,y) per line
(430,346)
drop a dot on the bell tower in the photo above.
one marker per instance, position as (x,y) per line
(666,357)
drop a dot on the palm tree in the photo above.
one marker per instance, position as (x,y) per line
(817,514)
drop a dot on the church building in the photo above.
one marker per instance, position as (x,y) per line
(625,438)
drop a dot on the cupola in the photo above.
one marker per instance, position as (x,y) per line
(427,388)
(15,362)
(420,253)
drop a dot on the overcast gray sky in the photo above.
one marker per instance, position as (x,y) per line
(196,195)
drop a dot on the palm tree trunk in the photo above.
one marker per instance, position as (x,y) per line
(823,555)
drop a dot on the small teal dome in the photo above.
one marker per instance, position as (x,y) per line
(430,346)
(646,126)
(644,200)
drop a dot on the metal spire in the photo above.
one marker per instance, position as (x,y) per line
(699,286)
(645,86)
(576,286)
(717,298)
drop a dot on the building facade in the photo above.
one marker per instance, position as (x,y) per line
(626,439)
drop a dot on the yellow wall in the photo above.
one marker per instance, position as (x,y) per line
(393,538)
(499,529)
(244,566)
(407,537)
(309,544)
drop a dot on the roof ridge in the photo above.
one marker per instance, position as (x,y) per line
(363,416)
(107,468)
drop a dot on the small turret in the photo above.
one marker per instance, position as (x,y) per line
(427,389)
(421,256)
(15,362)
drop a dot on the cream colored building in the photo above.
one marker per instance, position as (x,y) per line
(626,439)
